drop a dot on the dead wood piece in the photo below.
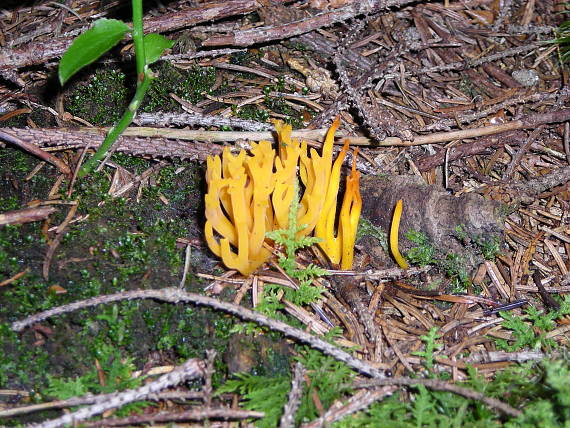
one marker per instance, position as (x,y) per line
(146,147)
(191,369)
(513,138)
(294,400)
(176,295)
(518,98)
(528,190)
(201,414)
(548,300)
(327,48)
(35,150)
(57,240)
(189,119)
(90,399)
(41,52)
(325,19)
(348,289)
(435,213)
(356,403)
(25,215)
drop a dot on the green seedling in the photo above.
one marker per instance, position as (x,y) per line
(431,346)
(306,293)
(563,39)
(99,39)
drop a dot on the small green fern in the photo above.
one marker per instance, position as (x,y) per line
(430,347)
(118,377)
(307,293)
(260,393)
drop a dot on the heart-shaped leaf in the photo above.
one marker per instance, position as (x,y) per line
(154,46)
(89,46)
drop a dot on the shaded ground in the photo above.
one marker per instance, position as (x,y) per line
(493,229)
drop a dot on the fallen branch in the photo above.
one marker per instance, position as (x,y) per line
(285,31)
(188,415)
(191,369)
(294,399)
(166,141)
(442,386)
(41,52)
(176,295)
(25,215)
(90,399)
(358,402)
(35,150)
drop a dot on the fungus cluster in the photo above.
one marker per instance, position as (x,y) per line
(250,195)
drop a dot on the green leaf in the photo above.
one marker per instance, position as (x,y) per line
(89,46)
(154,47)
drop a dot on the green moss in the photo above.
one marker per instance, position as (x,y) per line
(102,99)
(17,372)
(118,244)
(424,253)
(190,85)
(454,267)
(251,112)
(490,248)
(366,228)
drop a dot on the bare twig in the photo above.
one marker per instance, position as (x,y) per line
(284,31)
(534,187)
(191,369)
(90,399)
(207,390)
(520,154)
(25,215)
(41,52)
(175,295)
(59,236)
(188,119)
(356,403)
(188,415)
(35,150)
(288,418)
(443,386)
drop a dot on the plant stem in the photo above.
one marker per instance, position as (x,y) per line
(120,127)
(138,37)
(144,77)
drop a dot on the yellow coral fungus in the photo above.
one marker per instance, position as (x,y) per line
(349,215)
(394,229)
(249,196)
(315,174)
(324,228)
(243,185)
(285,173)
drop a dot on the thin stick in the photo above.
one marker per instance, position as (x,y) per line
(35,150)
(191,369)
(356,403)
(175,295)
(25,215)
(283,31)
(530,121)
(188,415)
(443,386)
(288,418)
